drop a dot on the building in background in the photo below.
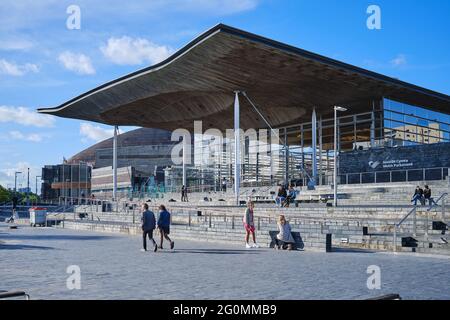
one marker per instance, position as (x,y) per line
(66,180)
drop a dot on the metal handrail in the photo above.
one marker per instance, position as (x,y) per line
(414,211)
(13,294)
(398,224)
(436,202)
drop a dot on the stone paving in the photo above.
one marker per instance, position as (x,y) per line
(112,267)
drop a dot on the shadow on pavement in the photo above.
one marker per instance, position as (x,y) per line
(22,247)
(216,251)
(352,250)
(56,237)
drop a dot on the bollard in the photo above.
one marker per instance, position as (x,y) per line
(232,222)
(415,223)
(259,223)
(395,238)
(210,223)
(189,221)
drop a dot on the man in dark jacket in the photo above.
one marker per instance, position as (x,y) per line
(418,195)
(148,225)
(427,196)
(164,226)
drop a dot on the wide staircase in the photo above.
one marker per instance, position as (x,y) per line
(369,217)
(316,226)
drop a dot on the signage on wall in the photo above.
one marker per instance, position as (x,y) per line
(397,164)
(391,159)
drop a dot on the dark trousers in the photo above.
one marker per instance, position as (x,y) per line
(164,232)
(148,233)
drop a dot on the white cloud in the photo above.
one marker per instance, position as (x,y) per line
(8,170)
(134,51)
(32,137)
(95,133)
(17,70)
(78,63)
(25,116)
(399,60)
(15,44)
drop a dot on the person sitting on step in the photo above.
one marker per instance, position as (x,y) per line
(281,196)
(292,194)
(284,238)
(418,196)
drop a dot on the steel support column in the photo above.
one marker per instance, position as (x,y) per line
(314,146)
(237,148)
(185,146)
(114,195)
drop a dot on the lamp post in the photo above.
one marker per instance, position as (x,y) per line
(15,180)
(336,153)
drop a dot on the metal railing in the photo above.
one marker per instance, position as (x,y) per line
(13,294)
(413,212)
(391,176)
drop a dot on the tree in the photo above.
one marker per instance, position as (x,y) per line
(5,195)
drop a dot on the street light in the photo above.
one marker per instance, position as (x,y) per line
(15,180)
(336,109)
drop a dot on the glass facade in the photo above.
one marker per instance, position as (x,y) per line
(406,125)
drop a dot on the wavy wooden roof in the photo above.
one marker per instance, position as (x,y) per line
(198,81)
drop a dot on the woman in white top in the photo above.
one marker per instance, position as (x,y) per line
(284,235)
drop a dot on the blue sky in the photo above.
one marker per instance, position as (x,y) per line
(42,63)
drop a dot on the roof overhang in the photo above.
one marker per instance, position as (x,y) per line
(198,81)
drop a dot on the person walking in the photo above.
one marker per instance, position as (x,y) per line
(164,226)
(148,226)
(249,225)
(183,194)
(284,236)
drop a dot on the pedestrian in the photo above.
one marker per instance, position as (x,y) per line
(148,226)
(164,226)
(281,196)
(284,238)
(224,185)
(249,225)
(292,194)
(183,194)
(427,196)
(418,195)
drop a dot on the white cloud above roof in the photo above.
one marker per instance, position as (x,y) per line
(76,62)
(134,51)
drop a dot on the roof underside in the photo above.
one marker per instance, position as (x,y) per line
(197,83)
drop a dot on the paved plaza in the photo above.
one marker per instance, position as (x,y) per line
(112,267)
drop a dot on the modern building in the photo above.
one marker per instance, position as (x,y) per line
(230,79)
(142,156)
(66,180)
